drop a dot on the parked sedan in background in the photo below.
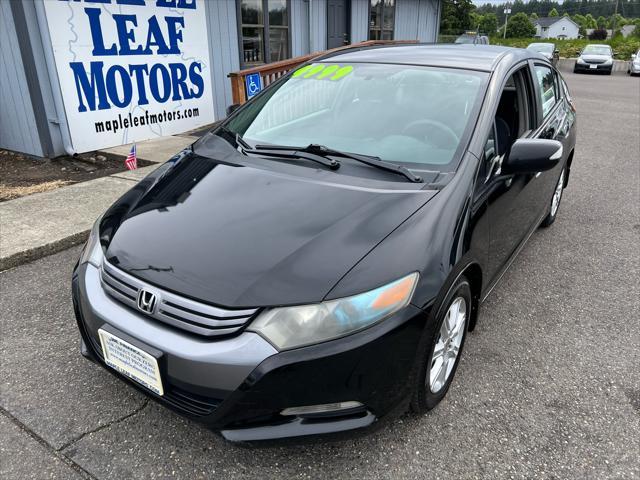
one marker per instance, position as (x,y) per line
(474,38)
(549,51)
(634,64)
(316,261)
(595,58)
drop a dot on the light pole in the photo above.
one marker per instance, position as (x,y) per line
(506,12)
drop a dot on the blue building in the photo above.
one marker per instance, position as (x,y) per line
(38,116)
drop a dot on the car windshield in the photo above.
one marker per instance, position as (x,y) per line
(597,50)
(541,47)
(400,113)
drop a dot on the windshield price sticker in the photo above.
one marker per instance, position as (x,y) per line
(320,71)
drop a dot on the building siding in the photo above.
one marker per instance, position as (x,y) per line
(359,20)
(299,25)
(417,20)
(18,130)
(224,53)
(318,24)
(428,20)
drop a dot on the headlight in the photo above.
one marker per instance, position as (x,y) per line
(581,61)
(291,327)
(92,252)
(608,62)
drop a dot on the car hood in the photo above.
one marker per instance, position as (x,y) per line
(595,58)
(240,236)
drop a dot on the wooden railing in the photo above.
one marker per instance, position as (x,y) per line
(270,72)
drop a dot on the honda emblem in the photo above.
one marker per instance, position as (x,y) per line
(147,301)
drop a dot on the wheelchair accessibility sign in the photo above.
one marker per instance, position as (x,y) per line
(253,85)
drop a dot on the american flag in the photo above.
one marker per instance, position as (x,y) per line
(132,160)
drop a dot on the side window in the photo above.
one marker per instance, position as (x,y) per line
(548,88)
(490,146)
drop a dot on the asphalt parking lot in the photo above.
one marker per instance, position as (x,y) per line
(548,386)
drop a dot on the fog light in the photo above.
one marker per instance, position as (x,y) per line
(321,409)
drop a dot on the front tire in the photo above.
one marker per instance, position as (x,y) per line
(555,201)
(441,347)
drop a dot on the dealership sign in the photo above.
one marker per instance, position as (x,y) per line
(131,70)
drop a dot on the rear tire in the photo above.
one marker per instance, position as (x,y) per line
(441,348)
(554,205)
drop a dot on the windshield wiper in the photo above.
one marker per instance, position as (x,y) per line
(295,154)
(235,139)
(321,150)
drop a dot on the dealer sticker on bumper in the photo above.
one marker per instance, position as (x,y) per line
(131,361)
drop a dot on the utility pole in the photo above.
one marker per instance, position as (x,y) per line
(506,12)
(615,17)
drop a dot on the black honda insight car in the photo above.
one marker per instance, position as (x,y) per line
(316,261)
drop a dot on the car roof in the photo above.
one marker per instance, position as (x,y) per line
(472,57)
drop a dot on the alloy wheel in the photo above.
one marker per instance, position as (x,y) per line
(448,344)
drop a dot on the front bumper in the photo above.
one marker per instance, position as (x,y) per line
(239,385)
(597,67)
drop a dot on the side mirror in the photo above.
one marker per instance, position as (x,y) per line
(633,56)
(532,155)
(556,52)
(232,108)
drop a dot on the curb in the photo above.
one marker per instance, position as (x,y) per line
(41,251)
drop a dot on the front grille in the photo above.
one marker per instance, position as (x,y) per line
(180,312)
(186,402)
(595,61)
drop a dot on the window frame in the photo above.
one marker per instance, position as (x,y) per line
(393,31)
(542,119)
(524,79)
(265,34)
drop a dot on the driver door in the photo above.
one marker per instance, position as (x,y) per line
(513,206)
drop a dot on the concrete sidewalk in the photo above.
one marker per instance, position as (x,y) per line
(44,223)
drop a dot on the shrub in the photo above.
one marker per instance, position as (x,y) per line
(598,34)
(519,26)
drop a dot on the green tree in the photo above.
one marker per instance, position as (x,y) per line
(590,22)
(553,13)
(533,16)
(456,16)
(602,22)
(579,19)
(489,24)
(519,26)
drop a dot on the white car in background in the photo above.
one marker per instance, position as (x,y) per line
(634,64)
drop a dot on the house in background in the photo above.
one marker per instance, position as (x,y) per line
(627,30)
(556,27)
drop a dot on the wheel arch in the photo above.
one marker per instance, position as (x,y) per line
(569,161)
(473,273)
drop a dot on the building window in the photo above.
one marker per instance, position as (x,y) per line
(263,23)
(381,19)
